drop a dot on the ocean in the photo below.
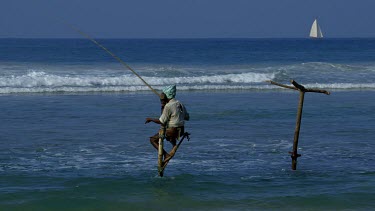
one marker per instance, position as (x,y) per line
(73,133)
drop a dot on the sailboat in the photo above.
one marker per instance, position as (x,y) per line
(315,31)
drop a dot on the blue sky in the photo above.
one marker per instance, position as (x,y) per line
(186,18)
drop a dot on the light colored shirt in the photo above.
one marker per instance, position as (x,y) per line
(174,114)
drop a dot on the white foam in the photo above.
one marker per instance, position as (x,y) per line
(226,78)
(9,90)
(41,82)
(342,86)
(37,81)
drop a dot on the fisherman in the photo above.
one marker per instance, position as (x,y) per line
(172,119)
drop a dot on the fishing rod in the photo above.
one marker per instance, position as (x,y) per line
(112,54)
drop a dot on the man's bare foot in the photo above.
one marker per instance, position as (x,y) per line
(174,149)
(167,157)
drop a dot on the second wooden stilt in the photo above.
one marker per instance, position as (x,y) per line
(302,90)
(295,155)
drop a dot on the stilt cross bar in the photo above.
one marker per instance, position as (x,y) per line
(302,90)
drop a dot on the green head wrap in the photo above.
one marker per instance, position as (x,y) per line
(170,91)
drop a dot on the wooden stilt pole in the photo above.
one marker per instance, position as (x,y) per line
(160,151)
(302,90)
(172,153)
(295,155)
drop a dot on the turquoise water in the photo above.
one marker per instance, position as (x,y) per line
(73,133)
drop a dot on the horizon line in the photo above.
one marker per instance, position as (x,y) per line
(185,38)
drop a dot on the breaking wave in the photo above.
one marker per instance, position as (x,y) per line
(43,82)
(35,82)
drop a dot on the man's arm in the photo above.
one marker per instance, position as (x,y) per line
(187,116)
(157,121)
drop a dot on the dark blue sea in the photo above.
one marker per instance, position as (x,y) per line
(73,137)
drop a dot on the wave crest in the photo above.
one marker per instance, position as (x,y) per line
(41,82)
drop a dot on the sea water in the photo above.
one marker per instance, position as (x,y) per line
(73,135)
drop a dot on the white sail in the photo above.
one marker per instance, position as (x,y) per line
(315,31)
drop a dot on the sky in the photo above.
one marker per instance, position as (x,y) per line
(186,18)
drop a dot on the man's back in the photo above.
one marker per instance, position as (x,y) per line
(174,114)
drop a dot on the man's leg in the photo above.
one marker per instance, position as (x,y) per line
(172,135)
(154,140)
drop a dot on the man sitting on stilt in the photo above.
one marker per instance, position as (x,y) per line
(173,119)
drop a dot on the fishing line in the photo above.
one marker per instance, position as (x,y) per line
(112,54)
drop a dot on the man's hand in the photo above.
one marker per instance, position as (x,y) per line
(148,120)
